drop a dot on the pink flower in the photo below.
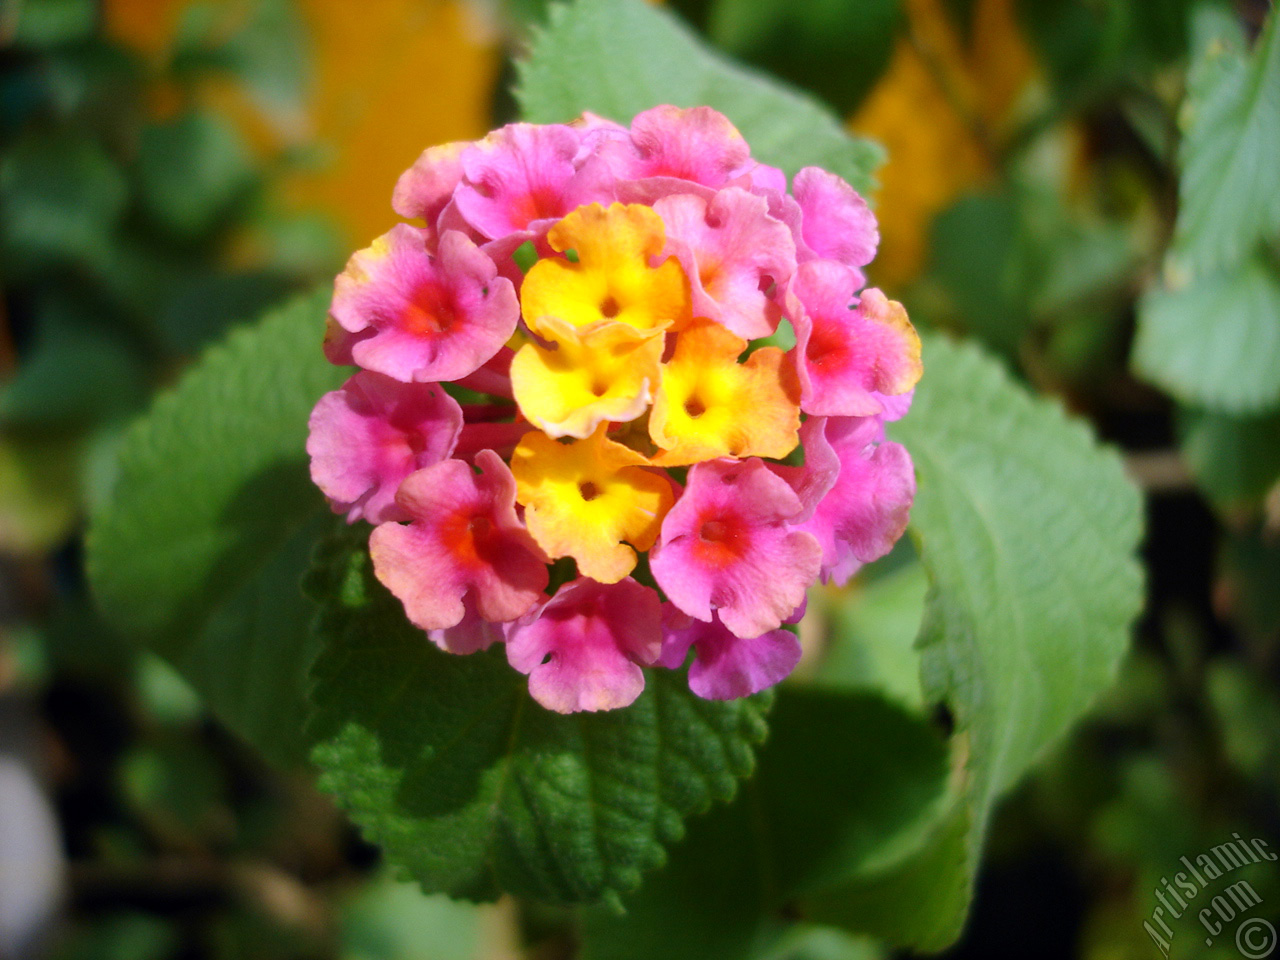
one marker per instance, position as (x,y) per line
(471,634)
(373,432)
(464,541)
(522,178)
(733,252)
(849,356)
(538,355)
(400,311)
(866,510)
(812,481)
(672,144)
(725,666)
(837,223)
(424,190)
(726,545)
(584,647)
(895,407)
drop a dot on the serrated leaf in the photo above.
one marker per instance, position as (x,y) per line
(1214,342)
(472,787)
(846,781)
(1229,193)
(1028,530)
(211,522)
(619,57)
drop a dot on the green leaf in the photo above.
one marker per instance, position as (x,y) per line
(191,169)
(47,23)
(1213,341)
(472,787)
(809,43)
(76,372)
(389,920)
(1235,460)
(846,782)
(200,549)
(1210,331)
(619,57)
(872,631)
(62,195)
(1229,193)
(1028,531)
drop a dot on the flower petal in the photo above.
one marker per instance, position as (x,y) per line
(525,176)
(613,279)
(417,317)
(837,223)
(696,144)
(709,405)
(464,540)
(583,648)
(866,510)
(427,187)
(849,358)
(732,251)
(584,376)
(726,546)
(370,434)
(584,499)
(725,666)
(471,634)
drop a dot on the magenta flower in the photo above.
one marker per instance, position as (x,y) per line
(584,647)
(464,540)
(523,178)
(733,253)
(370,434)
(471,634)
(866,510)
(426,188)
(812,481)
(851,353)
(673,145)
(417,317)
(726,666)
(726,546)
(663,248)
(836,223)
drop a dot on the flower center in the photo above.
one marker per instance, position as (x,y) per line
(715,531)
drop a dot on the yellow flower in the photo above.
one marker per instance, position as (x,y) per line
(710,405)
(613,279)
(605,371)
(584,498)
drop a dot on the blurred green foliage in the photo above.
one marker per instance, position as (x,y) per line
(1126,195)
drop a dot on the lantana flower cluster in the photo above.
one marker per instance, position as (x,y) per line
(576,426)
